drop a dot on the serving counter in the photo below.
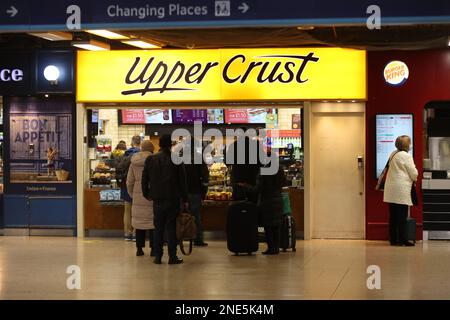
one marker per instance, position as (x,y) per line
(100,215)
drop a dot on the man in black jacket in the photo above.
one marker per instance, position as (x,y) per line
(165,184)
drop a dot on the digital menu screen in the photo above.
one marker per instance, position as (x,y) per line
(186,116)
(247,115)
(388,128)
(146,116)
(189,116)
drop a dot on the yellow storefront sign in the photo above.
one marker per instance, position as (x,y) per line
(221,75)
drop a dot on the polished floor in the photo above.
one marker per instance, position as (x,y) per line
(35,268)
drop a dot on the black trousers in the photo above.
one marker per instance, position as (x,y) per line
(165,215)
(272,237)
(140,238)
(398,213)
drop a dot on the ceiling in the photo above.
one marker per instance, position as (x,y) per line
(388,38)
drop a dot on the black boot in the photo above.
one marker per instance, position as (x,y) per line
(157,260)
(175,260)
(139,252)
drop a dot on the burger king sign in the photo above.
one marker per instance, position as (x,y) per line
(396,73)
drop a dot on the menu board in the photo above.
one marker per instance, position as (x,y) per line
(186,116)
(215,115)
(247,115)
(388,128)
(146,116)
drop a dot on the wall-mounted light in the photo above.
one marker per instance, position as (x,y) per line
(91,45)
(51,74)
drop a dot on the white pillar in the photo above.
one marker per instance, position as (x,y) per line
(307,169)
(81,152)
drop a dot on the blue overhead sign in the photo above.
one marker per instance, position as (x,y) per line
(35,15)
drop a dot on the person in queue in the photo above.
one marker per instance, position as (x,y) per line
(165,183)
(141,208)
(268,190)
(118,153)
(401,176)
(121,173)
(197,176)
(244,173)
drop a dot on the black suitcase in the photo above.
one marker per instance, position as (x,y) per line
(411,229)
(242,227)
(288,238)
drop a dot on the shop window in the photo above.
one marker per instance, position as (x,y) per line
(40,141)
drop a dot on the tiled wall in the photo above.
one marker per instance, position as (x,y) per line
(117,132)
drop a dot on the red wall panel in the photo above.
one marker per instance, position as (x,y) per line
(429,80)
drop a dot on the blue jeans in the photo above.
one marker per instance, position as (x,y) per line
(195,204)
(165,216)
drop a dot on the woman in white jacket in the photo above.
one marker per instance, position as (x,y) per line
(401,175)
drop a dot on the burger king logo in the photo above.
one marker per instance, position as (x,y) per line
(396,73)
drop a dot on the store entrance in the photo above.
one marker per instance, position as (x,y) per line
(108,126)
(337,173)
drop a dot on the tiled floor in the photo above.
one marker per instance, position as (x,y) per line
(35,268)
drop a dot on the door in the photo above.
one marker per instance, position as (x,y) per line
(338,201)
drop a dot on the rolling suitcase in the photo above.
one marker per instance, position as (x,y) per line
(287,234)
(242,228)
(411,229)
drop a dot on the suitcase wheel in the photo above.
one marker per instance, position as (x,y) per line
(294,250)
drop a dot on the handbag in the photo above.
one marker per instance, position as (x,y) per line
(186,229)
(382,179)
(414,197)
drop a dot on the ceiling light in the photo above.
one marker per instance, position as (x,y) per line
(107,34)
(51,73)
(53,35)
(91,45)
(141,44)
(305,28)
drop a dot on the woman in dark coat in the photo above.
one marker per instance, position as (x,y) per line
(270,207)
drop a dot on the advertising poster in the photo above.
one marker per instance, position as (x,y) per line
(135,116)
(257,115)
(295,121)
(388,128)
(40,145)
(236,116)
(146,116)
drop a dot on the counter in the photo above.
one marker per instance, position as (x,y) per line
(99,215)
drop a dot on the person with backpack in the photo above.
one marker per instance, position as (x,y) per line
(121,175)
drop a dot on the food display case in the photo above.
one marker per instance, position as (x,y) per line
(219,183)
(102,175)
(104,147)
